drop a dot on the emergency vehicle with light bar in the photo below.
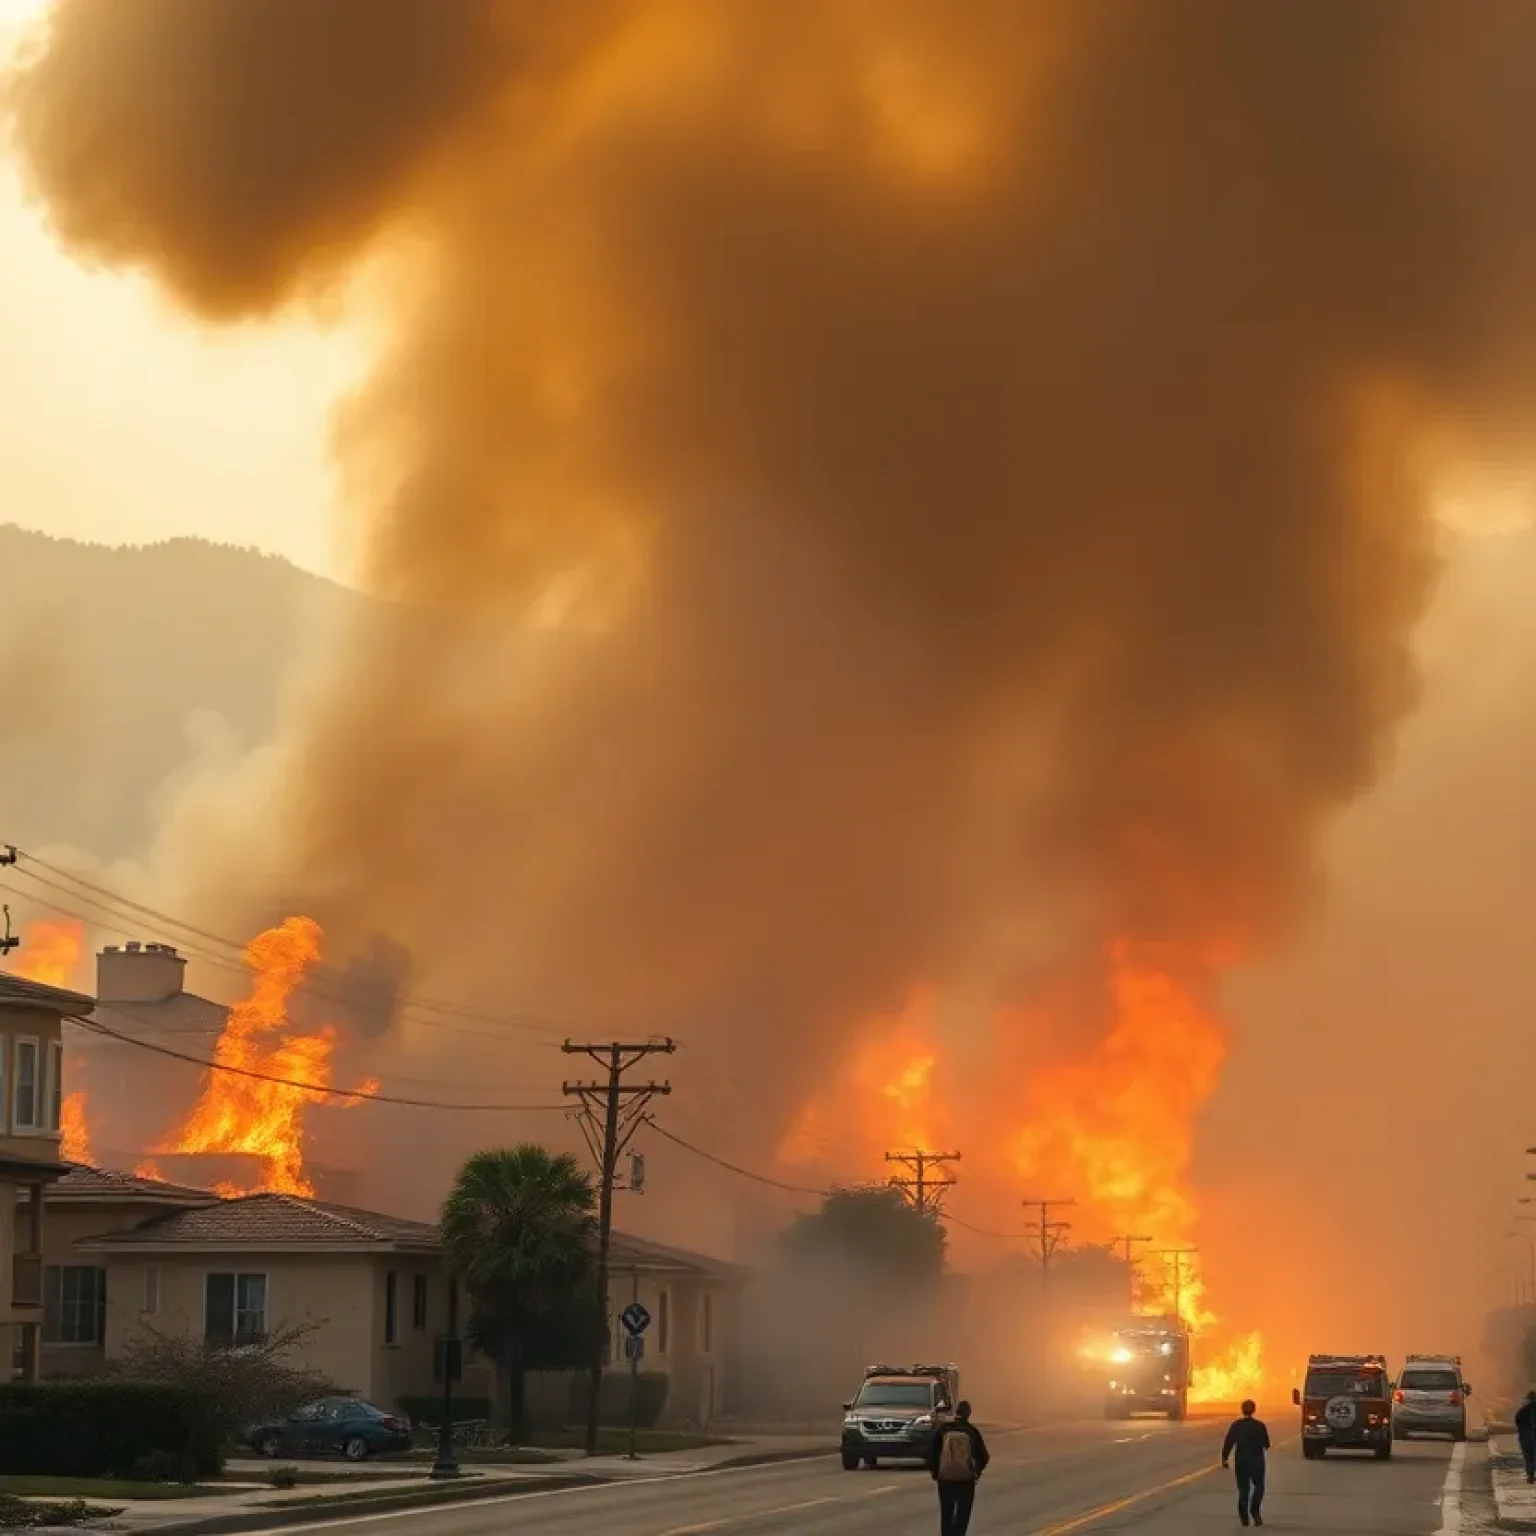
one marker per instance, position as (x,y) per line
(1149,1369)
(1346,1405)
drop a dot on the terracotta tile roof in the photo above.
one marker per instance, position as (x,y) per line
(271,1220)
(640,1252)
(85,1182)
(283,1221)
(17,989)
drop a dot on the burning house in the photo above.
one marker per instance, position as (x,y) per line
(236,1129)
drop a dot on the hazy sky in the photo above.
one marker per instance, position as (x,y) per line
(168,430)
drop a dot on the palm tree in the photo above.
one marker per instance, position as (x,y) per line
(519,1231)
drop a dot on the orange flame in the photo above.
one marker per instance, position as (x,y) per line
(50,953)
(1114,1127)
(258,1115)
(1118,1126)
(148,1169)
(897,1103)
(74,1135)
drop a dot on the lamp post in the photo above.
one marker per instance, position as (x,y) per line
(447,1464)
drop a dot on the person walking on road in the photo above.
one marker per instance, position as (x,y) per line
(1244,1449)
(957,1458)
(1525,1428)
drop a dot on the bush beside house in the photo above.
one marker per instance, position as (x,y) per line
(103,1428)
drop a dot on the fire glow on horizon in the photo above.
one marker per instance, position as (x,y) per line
(1114,1127)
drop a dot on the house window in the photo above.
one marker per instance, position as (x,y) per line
(391,1305)
(74,1304)
(151,1288)
(55,1084)
(707,1322)
(663,1321)
(235,1309)
(28,1103)
(419,1302)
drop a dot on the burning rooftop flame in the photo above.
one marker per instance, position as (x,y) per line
(74,1135)
(50,953)
(255,1115)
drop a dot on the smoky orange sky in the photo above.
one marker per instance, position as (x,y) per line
(980,463)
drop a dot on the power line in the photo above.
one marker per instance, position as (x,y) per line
(321,986)
(349,1094)
(1128,1240)
(730,1167)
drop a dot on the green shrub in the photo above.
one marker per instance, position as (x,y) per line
(429,1410)
(284,1477)
(613,1403)
(156,1467)
(106,1428)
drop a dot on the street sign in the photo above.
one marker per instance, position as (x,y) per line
(635,1319)
(634,1349)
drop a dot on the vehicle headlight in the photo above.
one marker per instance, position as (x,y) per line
(922,1421)
(1120,1356)
(849,1420)
(1166,1349)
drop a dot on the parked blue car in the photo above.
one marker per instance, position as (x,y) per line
(335,1426)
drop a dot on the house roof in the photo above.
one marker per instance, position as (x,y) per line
(86,1182)
(288,1223)
(626,1252)
(273,1223)
(184,1014)
(35,994)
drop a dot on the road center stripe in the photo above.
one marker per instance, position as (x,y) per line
(1104,1511)
(1450,1494)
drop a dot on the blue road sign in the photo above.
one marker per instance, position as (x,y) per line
(635,1319)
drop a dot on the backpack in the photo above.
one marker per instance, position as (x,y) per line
(957,1462)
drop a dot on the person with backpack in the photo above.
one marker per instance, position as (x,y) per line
(957,1459)
(1246,1443)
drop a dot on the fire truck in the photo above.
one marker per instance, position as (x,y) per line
(1150,1369)
(1346,1405)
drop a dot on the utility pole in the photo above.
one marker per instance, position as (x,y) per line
(924,1190)
(623,1104)
(1174,1258)
(8,940)
(1128,1240)
(1049,1232)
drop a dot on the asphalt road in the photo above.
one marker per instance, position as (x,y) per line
(1155,1478)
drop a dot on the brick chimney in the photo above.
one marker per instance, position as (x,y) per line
(139,973)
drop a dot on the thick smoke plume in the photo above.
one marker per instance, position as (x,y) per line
(978,457)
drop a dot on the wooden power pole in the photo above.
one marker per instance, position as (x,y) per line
(609,1112)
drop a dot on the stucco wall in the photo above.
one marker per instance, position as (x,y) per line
(331,1294)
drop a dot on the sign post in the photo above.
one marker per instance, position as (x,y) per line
(636,1320)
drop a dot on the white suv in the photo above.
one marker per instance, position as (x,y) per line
(1431,1398)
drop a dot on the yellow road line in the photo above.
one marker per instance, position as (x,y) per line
(1104,1511)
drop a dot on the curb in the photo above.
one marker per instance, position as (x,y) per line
(277,1516)
(436,1496)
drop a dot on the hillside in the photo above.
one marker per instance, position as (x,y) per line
(106,655)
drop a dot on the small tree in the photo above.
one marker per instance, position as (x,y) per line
(244,1386)
(519,1231)
(876,1230)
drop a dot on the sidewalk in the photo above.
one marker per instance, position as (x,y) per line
(407,1485)
(1514,1497)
